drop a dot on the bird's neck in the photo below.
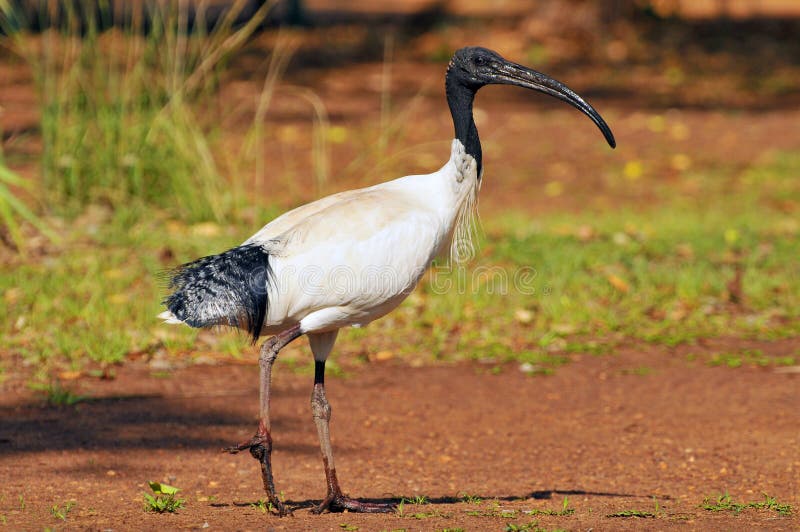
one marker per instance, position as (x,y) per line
(460,98)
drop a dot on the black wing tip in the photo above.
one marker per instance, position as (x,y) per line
(236,281)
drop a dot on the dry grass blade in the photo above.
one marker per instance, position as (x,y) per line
(13,210)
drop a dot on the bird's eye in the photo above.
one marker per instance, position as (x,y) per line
(479,61)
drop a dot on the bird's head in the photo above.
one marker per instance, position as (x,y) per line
(473,67)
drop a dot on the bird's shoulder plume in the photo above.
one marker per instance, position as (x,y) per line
(462,243)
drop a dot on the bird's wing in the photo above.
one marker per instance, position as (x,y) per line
(287,220)
(349,216)
(355,218)
(359,256)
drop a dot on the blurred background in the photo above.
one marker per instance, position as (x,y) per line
(137,136)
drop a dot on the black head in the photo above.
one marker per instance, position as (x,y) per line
(473,67)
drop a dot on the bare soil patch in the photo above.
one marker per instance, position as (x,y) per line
(611,433)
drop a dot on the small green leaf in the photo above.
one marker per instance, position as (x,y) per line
(164,489)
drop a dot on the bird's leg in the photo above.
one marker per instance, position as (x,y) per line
(260,445)
(334,501)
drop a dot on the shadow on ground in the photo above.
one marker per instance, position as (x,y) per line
(114,422)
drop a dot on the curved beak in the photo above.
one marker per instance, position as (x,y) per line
(509,73)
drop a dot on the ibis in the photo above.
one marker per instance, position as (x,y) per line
(348,259)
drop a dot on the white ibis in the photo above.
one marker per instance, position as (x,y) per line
(348,259)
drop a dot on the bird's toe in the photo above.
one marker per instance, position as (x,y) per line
(341,503)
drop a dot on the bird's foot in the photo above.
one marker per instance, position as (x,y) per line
(339,503)
(280,508)
(258,445)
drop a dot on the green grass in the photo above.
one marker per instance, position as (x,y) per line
(564,511)
(661,276)
(56,395)
(417,500)
(470,499)
(14,211)
(670,299)
(62,511)
(640,514)
(533,526)
(163,500)
(725,503)
(94,298)
(264,505)
(493,509)
(749,357)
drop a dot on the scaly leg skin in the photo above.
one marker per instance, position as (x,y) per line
(334,501)
(260,445)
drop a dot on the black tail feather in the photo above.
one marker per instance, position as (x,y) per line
(226,289)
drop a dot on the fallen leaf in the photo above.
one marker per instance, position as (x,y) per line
(633,170)
(618,283)
(679,131)
(684,250)
(656,123)
(337,134)
(382,356)
(523,316)
(207,229)
(12,295)
(680,162)
(553,189)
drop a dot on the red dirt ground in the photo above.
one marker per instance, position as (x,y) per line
(600,432)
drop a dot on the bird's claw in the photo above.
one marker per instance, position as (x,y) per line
(281,508)
(340,503)
(258,445)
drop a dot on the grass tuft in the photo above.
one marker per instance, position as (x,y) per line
(123,110)
(61,512)
(14,212)
(564,511)
(56,395)
(163,500)
(725,503)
